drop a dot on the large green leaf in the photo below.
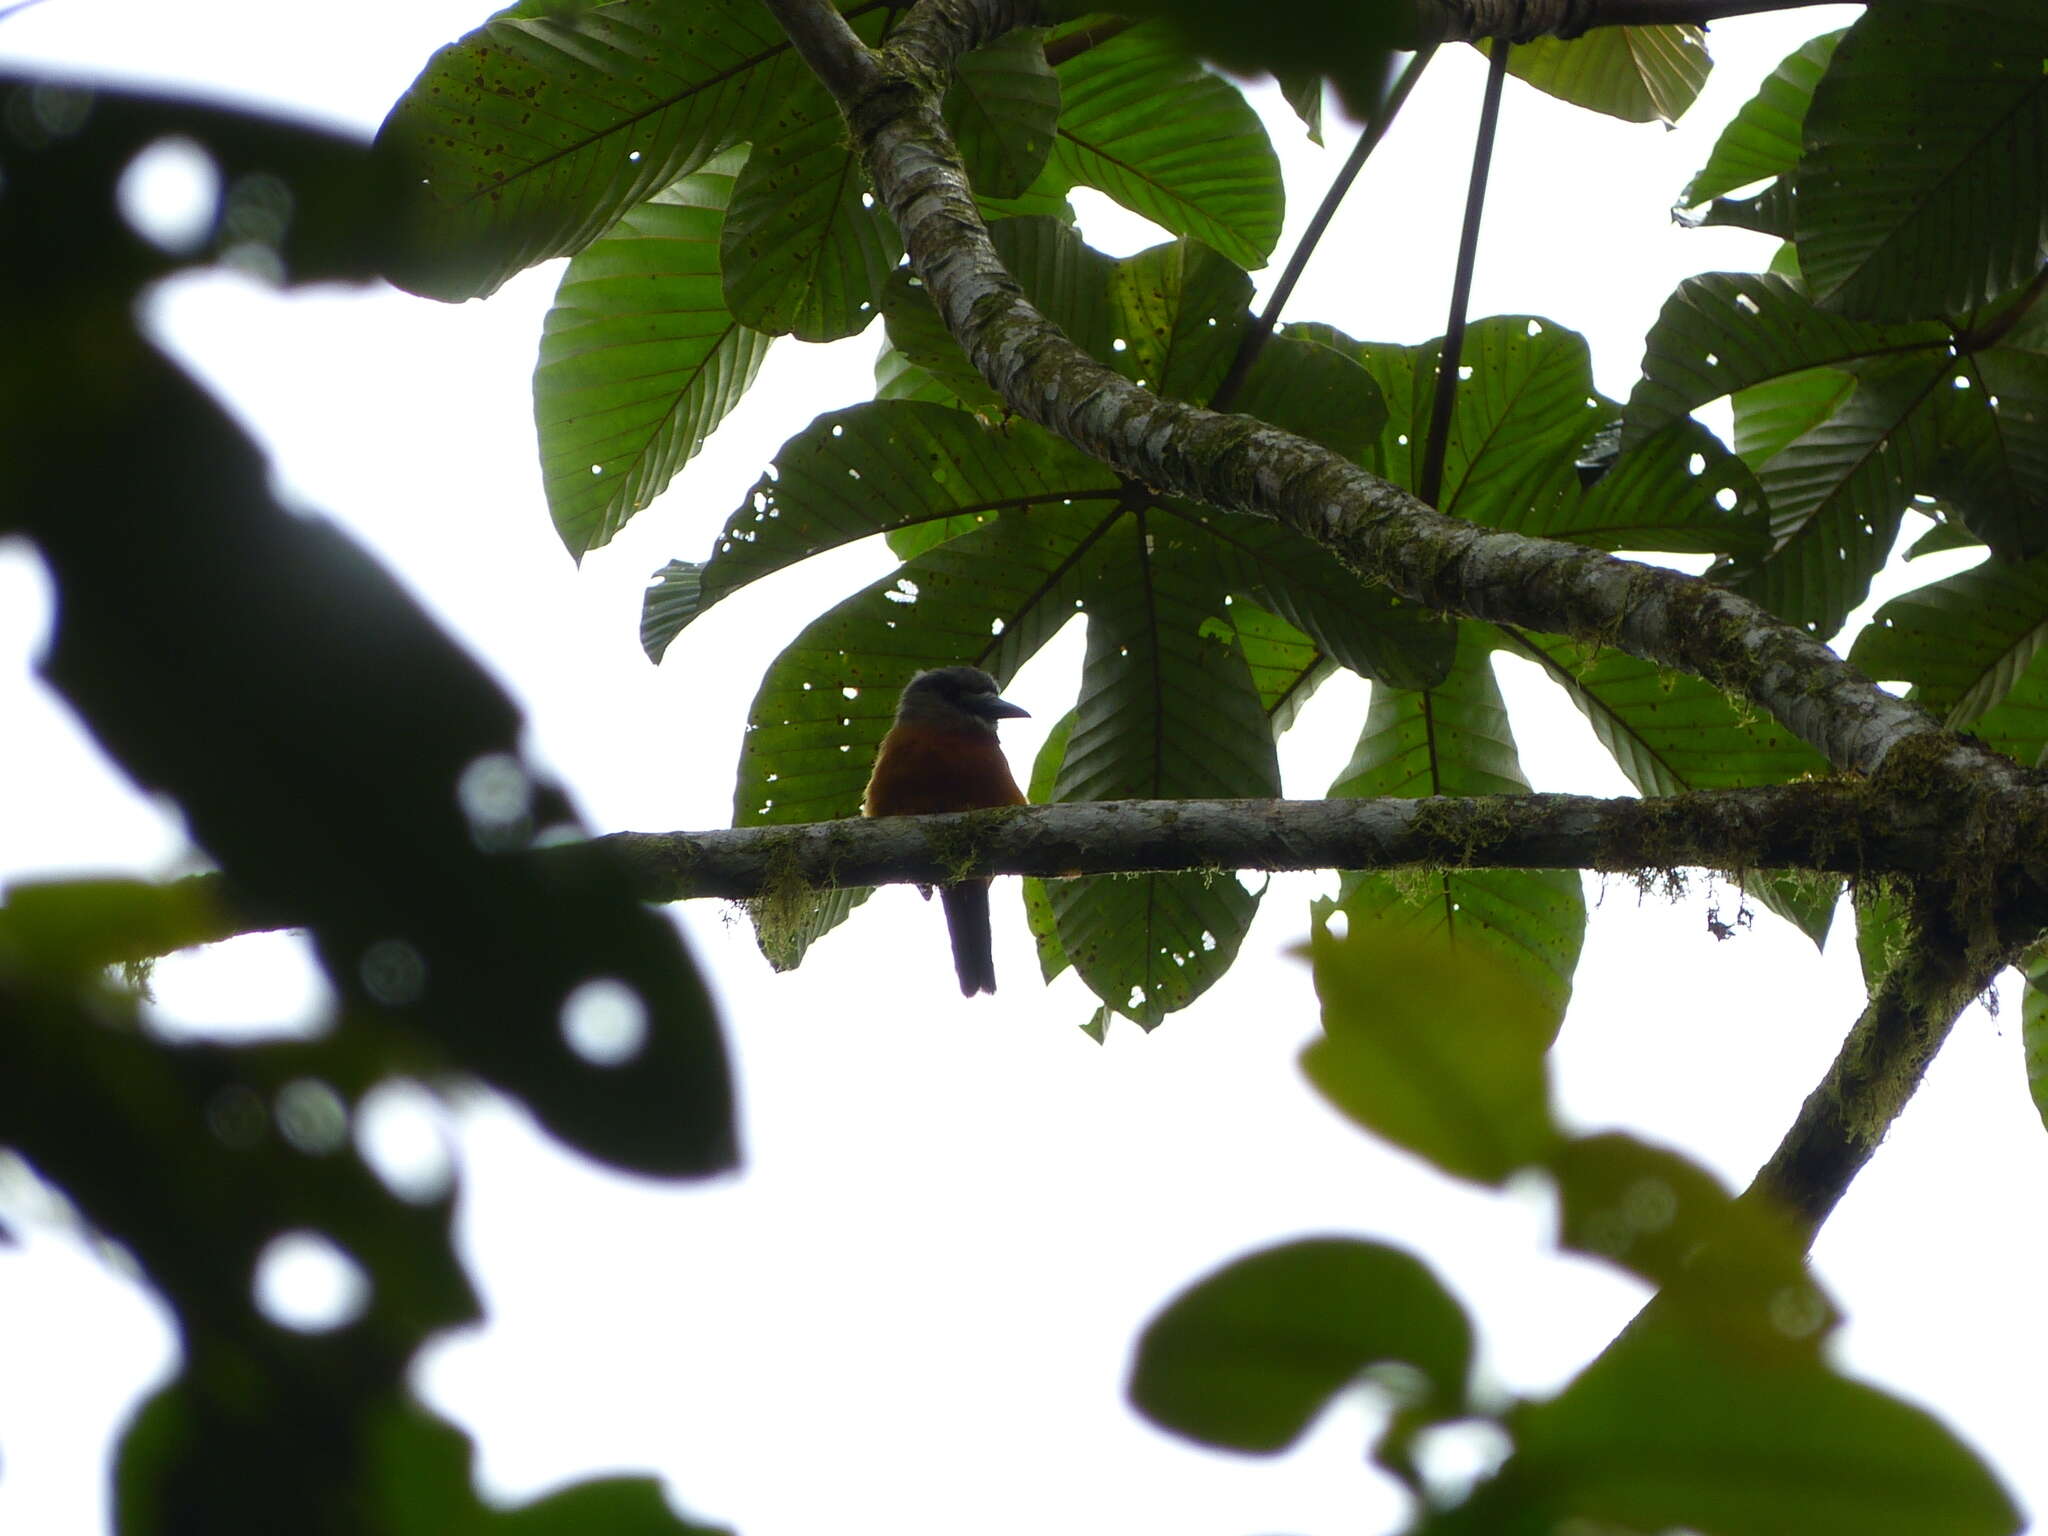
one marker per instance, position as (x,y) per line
(1179,309)
(1679,489)
(1204,169)
(1964,642)
(639,359)
(877,468)
(1762,140)
(1672,1428)
(1246,1357)
(1670,734)
(1167,710)
(1725,331)
(1454,740)
(529,137)
(1003,107)
(1837,493)
(1773,415)
(805,249)
(1434,1045)
(1639,74)
(1993,470)
(2034,1027)
(1924,185)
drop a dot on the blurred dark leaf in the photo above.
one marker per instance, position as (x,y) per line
(1245,1358)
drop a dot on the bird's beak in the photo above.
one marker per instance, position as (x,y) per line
(1003,709)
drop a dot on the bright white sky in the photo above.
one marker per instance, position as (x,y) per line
(911,1311)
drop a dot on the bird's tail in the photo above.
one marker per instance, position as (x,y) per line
(974,958)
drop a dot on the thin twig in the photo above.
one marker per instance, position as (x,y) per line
(1430,486)
(1262,328)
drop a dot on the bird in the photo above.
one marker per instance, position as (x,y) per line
(941,754)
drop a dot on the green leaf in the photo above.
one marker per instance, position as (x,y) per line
(1964,642)
(80,926)
(1167,711)
(1003,107)
(1924,185)
(2034,1026)
(1671,1428)
(1773,415)
(1679,489)
(804,248)
(920,338)
(1038,912)
(1724,331)
(1993,470)
(532,135)
(639,359)
(1638,74)
(1286,666)
(1248,1356)
(1837,494)
(1179,309)
(1436,1046)
(878,468)
(1733,1270)
(1454,740)
(1762,140)
(1321,391)
(1205,169)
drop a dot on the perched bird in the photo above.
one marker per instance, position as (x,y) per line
(942,755)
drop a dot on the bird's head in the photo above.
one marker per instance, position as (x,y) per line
(955,696)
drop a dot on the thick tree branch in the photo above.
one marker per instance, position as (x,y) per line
(1946,964)
(1447,21)
(1846,828)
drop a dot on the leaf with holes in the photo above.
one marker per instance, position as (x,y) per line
(1679,489)
(1924,185)
(805,248)
(1836,495)
(1454,740)
(1762,138)
(879,468)
(639,359)
(1179,310)
(1993,467)
(532,135)
(1003,107)
(1167,710)
(1964,642)
(1205,169)
(1638,74)
(1725,331)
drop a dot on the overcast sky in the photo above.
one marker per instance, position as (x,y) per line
(911,1311)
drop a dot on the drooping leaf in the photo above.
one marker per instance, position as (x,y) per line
(805,249)
(639,359)
(1454,740)
(1038,913)
(1645,74)
(1924,185)
(1247,1357)
(1167,710)
(1206,170)
(1434,1045)
(1003,107)
(1762,139)
(532,135)
(1965,642)
(1346,42)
